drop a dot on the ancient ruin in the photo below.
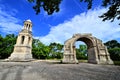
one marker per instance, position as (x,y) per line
(97,51)
(23,46)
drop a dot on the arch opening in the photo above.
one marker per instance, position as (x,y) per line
(81,51)
(87,41)
(89,51)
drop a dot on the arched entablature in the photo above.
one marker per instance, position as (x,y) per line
(97,52)
(87,40)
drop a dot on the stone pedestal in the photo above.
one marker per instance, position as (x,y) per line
(69,58)
(21,53)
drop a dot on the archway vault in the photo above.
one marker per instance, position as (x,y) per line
(97,51)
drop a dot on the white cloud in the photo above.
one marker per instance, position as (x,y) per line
(84,23)
(8,23)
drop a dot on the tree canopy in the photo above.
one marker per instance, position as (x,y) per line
(51,6)
(53,50)
(81,52)
(42,51)
(113,11)
(39,50)
(6,45)
(114,49)
(112,44)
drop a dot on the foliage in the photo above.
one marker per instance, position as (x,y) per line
(114,10)
(115,54)
(56,50)
(52,6)
(81,52)
(114,49)
(112,44)
(7,45)
(39,50)
(89,3)
(117,63)
(112,13)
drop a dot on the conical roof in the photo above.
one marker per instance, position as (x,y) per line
(29,20)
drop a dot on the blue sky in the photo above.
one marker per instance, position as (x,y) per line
(72,18)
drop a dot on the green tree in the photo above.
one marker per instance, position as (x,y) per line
(52,6)
(112,13)
(39,50)
(114,49)
(56,50)
(1,46)
(7,45)
(81,52)
(115,54)
(112,44)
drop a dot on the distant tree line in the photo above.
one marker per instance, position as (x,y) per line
(114,49)
(42,51)
(53,50)
(81,52)
(7,45)
(39,50)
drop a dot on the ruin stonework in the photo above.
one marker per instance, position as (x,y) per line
(23,46)
(97,51)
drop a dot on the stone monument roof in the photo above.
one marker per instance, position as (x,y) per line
(29,20)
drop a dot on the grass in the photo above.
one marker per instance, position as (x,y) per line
(117,63)
(82,61)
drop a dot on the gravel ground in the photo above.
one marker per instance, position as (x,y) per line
(49,70)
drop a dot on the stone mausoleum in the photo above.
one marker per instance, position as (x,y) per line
(23,46)
(97,51)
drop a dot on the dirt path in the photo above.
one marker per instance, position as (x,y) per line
(44,70)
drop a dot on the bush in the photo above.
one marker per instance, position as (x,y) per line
(115,54)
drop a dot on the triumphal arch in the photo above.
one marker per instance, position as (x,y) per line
(97,51)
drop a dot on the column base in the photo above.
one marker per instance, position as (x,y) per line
(69,59)
(18,57)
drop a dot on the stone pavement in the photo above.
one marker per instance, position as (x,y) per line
(48,70)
